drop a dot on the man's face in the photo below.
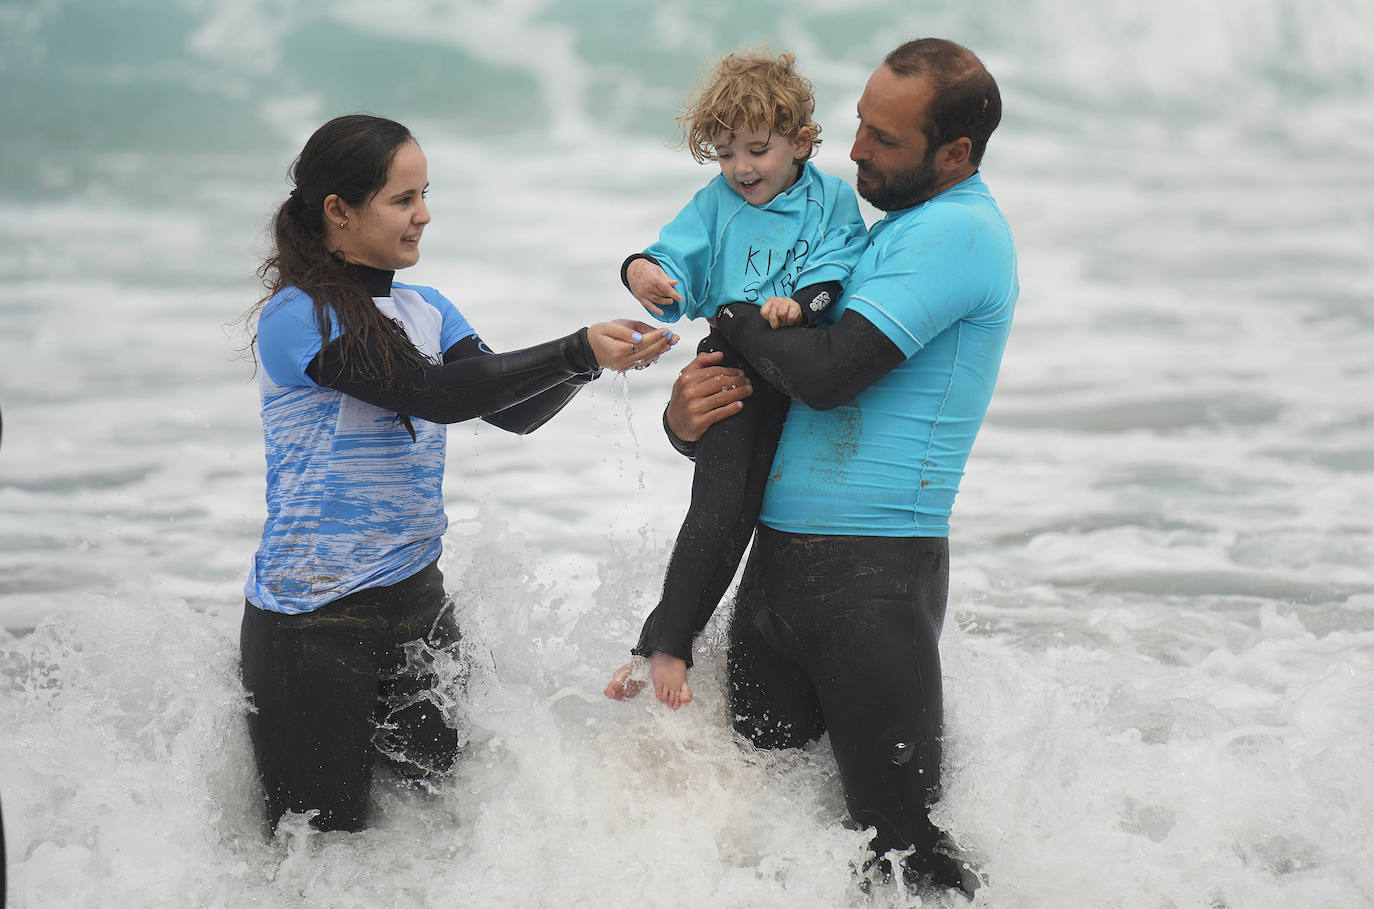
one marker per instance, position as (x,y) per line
(896,169)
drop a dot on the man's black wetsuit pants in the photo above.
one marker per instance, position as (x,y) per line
(732,463)
(336,688)
(842,633)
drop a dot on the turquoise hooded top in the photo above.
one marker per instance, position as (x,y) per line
(721,249)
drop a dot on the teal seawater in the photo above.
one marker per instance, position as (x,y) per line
(86,81)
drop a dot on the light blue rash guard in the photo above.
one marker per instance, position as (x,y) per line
(720,249)
(352,502)
(939,280)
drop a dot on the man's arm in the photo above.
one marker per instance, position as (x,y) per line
(822,368)
(704,393)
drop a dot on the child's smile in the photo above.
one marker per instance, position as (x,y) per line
(758,164)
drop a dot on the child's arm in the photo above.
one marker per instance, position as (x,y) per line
(670,277)
(844,239)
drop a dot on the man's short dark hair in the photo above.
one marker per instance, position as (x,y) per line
(966,103)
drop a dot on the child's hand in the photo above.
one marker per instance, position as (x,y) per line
(670,679)
(651,285)
(782,312)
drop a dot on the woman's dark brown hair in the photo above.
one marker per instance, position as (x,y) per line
(349,157)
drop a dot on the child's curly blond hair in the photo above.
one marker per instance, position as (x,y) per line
(750,90)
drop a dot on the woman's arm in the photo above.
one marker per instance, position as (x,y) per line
(532,413)
(481,386)
(465,387)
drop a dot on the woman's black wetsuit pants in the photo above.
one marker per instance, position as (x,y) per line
(732,463)
(334,689)
(842,633)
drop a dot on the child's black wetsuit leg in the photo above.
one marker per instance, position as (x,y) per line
(733,459)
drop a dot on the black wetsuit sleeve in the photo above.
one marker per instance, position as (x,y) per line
(821,367)
(814,300)
(465,387)
(531,413)
(682,446)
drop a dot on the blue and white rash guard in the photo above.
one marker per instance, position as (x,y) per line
(721,249)
(352,501)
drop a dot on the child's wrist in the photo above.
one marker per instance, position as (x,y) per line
(625,267)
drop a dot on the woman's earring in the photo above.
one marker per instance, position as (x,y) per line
(343,223)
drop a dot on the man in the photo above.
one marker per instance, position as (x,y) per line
(837,621)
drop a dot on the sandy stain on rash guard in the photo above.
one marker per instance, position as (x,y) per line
(833,466)
(843,444)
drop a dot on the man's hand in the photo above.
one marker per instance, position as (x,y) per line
(704,394)
(651,285)
(781,312)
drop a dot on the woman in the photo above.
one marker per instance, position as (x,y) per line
(359,374)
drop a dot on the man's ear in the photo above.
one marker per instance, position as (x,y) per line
(955,155)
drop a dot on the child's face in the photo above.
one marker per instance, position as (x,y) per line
(757,163)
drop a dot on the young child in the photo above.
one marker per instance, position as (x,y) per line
(770,229)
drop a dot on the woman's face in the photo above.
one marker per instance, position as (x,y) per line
(385,232)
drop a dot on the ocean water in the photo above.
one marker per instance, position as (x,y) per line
(1159,658)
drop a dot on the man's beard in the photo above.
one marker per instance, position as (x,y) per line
(902,190)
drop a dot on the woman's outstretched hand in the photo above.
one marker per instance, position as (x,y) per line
(625,344)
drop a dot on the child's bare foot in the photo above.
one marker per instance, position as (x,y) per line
(621,687)
(670,679)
